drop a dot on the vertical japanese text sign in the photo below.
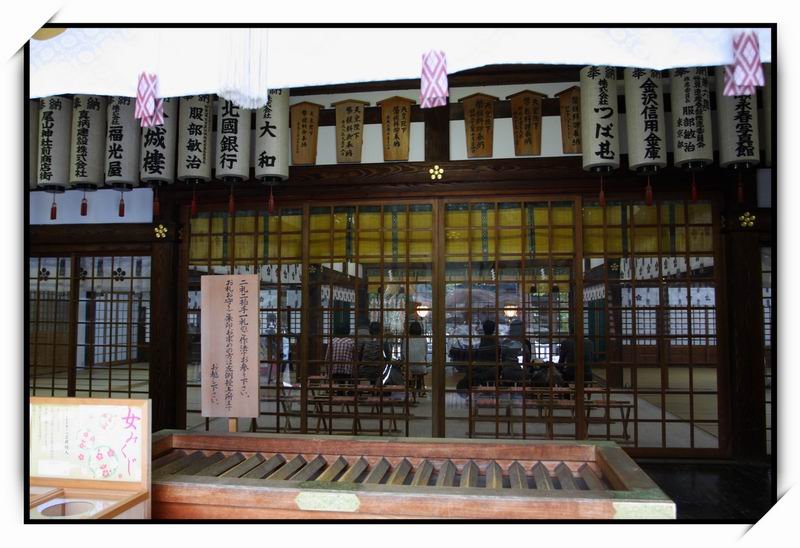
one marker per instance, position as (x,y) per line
(349,130)
(229,346)
(396,128)
(479,124)
(305,124)
(569,102)
(526,121)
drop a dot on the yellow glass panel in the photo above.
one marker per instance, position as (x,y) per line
(456,219)
(290,245)
(456,242)
(645,215)
(339,244)
(673,241)
(477,213)
(421,243)
(614,240)
(274,224)
(562,214)
(563,240)
(320,245)
(593,240)
(700,214)
(340,220)
(217,246)
(369,244)
(540,214)
(700,239)
(421,219)
(541,238)
(198,248)
(705,407)
(672,213)
(510,216)
(614,214)
(511,242)
(199,225)
(245,223)
(401,220)
(245,246)
(219,223)
(401,246)
(369,220)
(320,221)
(291,223)
(646,240)
(593,215)
(478,244)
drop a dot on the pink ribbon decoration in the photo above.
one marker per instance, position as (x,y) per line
(433,88)
(149,108)
(746,72)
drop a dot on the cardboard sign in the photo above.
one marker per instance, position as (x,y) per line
(229,346)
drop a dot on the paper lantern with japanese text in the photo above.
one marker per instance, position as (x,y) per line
(272,138)
(158,154)
(599,118)
(88,139)
(644,120)
(33,141)
(233,141)
(767,114)
(55,126)
(737,122)
(194,139)
(122,144)
(691,118)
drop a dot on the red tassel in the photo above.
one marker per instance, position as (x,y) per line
(194,202)
(121,211)
(740,190)
(271,202)
(602,197)
(694,189)
(84,206)
(231,203)
(53,210)
(156,204)
(648,193)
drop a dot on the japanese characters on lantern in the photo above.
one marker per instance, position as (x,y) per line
(396,128)
(272,138)
(767,97)
(194,141)
(691,117)
(86,159)
(599,118)
(55,119)
(122,144)
(349,130)
(644,118)
(158,152)
(33,141)
(737,118)
(233,141)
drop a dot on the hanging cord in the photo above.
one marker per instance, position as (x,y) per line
(648,193)
(53,209)
(194,199)
(231,203)
(740,189)
(271,202)
(694,189)
(84,206)
(121,210)
(156,203)
(602,196)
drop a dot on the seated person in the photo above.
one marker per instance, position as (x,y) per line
(417,350)
(566,359)
(340,353)
(371,355)
(485,358)
(516,355)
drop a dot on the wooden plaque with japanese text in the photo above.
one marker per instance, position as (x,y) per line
(305,126)
(349,130)
(479,124)
(570,105)
(229,346)
(396,128)
(526,121)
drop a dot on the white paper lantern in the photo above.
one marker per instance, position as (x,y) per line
(122,144)
(55,124)
(158,147)
(599,118)
(33,142)
(88,139)
(194,140)
(691,118)
(737,120)
(644,119)
(233,141)
(272,138)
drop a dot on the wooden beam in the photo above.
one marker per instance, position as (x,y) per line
(437,134)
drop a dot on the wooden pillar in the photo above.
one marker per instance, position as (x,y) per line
(745,344)
(164,382)
(437,133)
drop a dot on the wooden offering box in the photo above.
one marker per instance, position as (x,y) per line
(256,476)
(89,459)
